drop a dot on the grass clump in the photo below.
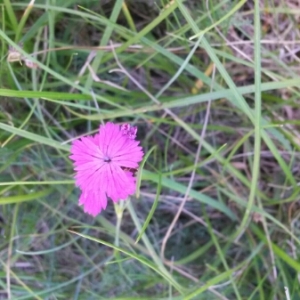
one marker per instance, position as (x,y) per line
(213,89)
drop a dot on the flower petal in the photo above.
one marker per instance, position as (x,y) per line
(121,184)
(93,202)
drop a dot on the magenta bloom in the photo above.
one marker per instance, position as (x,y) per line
(105,165)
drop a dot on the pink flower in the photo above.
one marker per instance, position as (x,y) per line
(105,165)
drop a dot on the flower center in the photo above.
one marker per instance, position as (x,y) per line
(107,159)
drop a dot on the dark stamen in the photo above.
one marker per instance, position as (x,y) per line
(107,159)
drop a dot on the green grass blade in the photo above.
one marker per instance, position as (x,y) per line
(257,124)
(152,210)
